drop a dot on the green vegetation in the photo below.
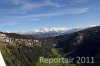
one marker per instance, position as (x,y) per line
(83,43)
(55,55)
(54,64)
(55,52)
(23,55)
(6,54)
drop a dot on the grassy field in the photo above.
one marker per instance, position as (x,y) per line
(55,52)
(5,52)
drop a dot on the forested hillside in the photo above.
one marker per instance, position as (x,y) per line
(21,50)
(85,43)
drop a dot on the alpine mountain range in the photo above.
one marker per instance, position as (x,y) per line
(55,31)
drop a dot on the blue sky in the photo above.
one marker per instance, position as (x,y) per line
(23,15)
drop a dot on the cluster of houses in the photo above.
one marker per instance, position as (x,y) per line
(29,42)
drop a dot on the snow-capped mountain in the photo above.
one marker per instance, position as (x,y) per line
(48,32)
(55,31)
(44,30)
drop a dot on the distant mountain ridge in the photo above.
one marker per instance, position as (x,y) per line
(49,32)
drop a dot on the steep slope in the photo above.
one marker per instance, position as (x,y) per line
(23,55)
(25,50)
(20,52)
(85,43)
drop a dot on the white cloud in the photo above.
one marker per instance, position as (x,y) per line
(17,2)
(35,19)
(92,25)
(13,20)
(8,24)
(81,1)
(78,1)
(30,6)
(24,6)
(60,12)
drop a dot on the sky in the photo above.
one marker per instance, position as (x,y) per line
(23,15)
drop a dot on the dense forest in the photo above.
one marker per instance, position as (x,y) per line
(85,43)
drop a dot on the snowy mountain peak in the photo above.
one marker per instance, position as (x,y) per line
(54,31)
(50,29)
(45,30)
